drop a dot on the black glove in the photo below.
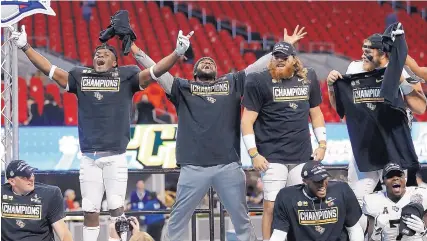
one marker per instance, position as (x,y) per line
(119,26)
(390,34)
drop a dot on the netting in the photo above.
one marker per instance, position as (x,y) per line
(9,98)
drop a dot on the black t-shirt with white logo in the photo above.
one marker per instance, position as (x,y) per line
(208,120)
(281,129)
(30,217)
(104,106)
(379,132)
(307,219)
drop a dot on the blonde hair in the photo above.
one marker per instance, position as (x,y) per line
(141,236)
(299,68)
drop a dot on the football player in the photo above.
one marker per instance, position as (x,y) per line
(384,208)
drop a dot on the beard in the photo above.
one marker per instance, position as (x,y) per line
(372,64)
(202,75)
(281,73)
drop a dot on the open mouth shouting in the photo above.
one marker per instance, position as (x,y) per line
(100,61)
(396,187)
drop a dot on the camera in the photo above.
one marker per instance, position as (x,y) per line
(123,225)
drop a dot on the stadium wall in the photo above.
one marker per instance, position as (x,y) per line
(57,148)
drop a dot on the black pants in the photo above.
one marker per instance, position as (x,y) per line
(155,230)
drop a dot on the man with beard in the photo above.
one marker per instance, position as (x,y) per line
(278,102)
(386,208)
(208,139)
(318,210)
(369,146)
(104,96)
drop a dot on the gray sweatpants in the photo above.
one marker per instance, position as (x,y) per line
(229,181)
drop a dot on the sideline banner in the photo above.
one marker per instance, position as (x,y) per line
(57,148)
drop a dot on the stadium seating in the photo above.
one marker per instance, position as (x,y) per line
(345,24)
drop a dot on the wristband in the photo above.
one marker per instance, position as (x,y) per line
(322,146)
(152,73)
(26,47)
(52,71)
(320,133)
(254,155)
(406,87)
(249,141)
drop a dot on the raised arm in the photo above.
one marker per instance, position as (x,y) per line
(413,94)
(166,80)
(413,65)
(163,66)
(262,62)
(60,76)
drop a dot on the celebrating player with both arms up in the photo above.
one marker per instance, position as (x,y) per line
(104,96)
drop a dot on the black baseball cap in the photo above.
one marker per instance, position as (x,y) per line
(412,208)
(376,40)
(391,169)
(284,48)
(314,171)
(19,168)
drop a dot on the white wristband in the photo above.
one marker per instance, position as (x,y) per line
(320,133)
(249,141)
(406,87)
(52,71)
(152,73)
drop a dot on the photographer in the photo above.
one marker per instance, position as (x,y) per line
(133,226)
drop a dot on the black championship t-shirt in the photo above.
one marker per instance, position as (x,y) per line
(281,129)
(307,219)
(208,120)
(30,217)
(104,103)
(379,133)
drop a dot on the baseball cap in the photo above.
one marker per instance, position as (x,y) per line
(392,168)
(314,171)
(284,48)
(19,168)
(413,208)
(376,41)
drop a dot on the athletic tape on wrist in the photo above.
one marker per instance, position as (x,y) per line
(152,73)
(249,141)
(26,47)
(406,87)
(52,71)
(320,133)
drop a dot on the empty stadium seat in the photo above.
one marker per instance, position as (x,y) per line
(70,110)
(157,28)
(36,89)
